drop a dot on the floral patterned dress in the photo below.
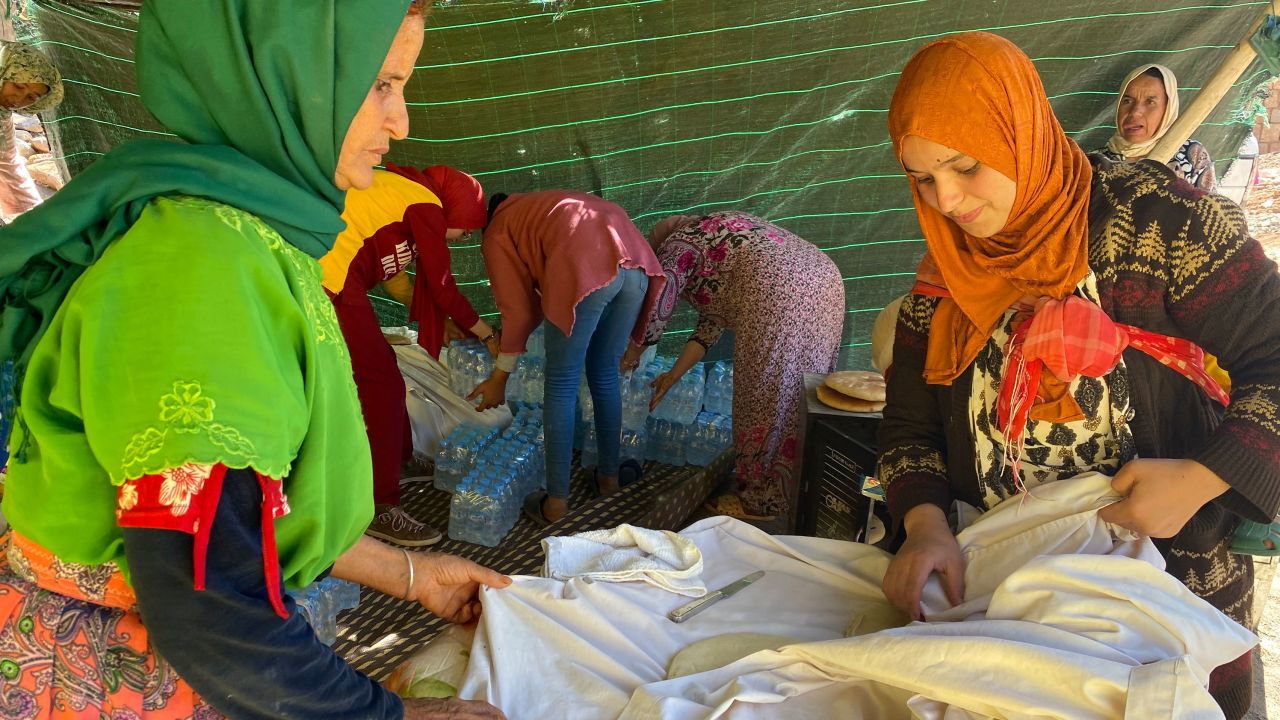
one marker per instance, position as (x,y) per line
(784,300)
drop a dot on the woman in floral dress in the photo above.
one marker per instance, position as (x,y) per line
(783,298)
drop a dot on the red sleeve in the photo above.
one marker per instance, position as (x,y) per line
(435,292)
(186,499)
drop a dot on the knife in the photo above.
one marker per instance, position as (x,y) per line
(688,610)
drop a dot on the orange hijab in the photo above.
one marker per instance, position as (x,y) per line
(979,94)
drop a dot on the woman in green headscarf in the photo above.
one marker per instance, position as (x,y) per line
(29,82)
(188,440)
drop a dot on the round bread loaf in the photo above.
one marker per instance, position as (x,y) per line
(841,401)
(859,384)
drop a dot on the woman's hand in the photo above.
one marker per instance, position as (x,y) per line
(449,586)
(661,385)
(452,331)
(630,358)
(494,343)
(930,548)
(492,392)
(1160,496)
(449,709)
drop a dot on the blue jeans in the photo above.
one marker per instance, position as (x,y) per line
(603,321)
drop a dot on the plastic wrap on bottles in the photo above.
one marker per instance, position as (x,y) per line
(321,601)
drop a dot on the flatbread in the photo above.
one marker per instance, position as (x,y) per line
(858,384)
(840,401)
(720,650)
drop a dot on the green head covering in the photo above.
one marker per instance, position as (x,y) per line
(262,91)
(21,63)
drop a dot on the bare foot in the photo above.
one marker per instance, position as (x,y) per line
(607,484)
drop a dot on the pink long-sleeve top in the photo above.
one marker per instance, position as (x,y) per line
(545,251)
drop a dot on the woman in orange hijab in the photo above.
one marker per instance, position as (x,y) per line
(1056,328)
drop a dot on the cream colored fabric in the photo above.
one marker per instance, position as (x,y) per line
(1137,151)
(1040,626)
(627,554)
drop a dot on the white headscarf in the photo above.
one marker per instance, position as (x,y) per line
(1137,151)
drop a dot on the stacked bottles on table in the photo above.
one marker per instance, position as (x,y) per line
(321,601)
(505,470)
(719,394)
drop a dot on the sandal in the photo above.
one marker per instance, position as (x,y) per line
(730,505)
(629,472)
(533,508)
(1253,538)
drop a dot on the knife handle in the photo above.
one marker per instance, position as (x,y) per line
(688,610)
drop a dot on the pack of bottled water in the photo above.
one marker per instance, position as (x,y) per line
(528,382)
(719,394)
(458,453)
(469,365)
(666,441)
(632,446)
(487,499)
(709,435)
(321,601)
(683,401)
(586,415)
(636,393)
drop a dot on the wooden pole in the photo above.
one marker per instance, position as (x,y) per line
(1211,93)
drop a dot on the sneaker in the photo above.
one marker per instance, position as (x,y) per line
(393,524)
(417,469)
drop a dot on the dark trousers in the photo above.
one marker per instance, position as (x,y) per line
(381,389)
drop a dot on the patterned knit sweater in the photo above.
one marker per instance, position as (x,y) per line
(1174,260)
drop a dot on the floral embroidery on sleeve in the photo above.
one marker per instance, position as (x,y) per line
(186,409)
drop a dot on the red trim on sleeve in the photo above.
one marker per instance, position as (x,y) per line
(186,499)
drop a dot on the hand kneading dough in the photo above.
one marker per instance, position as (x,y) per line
(857,384)
(844,402)
(718,651)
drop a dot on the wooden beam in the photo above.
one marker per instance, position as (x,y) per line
(1211,93)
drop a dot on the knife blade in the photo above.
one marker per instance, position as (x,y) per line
(688,610)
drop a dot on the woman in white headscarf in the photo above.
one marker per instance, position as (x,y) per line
(1145,111)
(28,82)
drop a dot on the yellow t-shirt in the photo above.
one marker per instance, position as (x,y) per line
(367,212)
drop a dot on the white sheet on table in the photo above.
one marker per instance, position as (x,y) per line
(627,553)
(1074,636)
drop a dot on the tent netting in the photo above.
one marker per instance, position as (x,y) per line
(775,107)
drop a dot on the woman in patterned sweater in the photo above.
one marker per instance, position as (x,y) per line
(1026,234)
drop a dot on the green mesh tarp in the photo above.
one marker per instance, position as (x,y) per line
(776,107)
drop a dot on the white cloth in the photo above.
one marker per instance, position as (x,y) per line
(434,409)
(1059,636)
(627,553)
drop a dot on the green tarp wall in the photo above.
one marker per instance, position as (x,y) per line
(776,107)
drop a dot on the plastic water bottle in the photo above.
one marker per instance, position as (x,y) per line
(590,451)
(321,601)
(633,445)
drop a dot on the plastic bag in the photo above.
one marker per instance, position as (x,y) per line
(434,409)
(436,670)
